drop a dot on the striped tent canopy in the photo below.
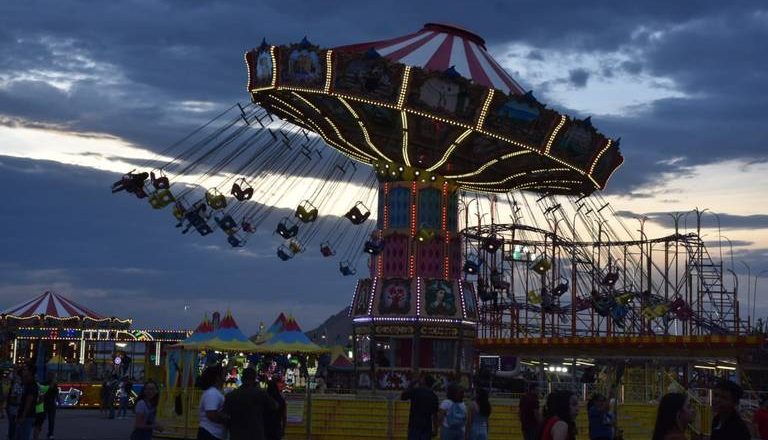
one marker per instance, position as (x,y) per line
(53,308)
(224,337)
(289,340)
(439,47)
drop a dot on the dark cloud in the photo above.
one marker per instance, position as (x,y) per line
(578,77)
(709,220)
(119,256)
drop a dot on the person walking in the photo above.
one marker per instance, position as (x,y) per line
(422,418)
(212,419)
(4,381)
(672,418)
(560,413)
(124,396)
(146,411)
(51,403)
(727,423)
(25,420)
(479,410)
(453,414)
(12,402)
(600,418)
(529,413)
(246,409)
(760,419)
(40,416)
(104,409)
(112,387)
(276,417)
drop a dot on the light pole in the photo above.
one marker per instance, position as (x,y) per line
(749,288)
(730,243)
(754,291)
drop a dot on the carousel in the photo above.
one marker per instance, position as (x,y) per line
(80,346)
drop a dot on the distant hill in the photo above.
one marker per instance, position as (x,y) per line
(337,330)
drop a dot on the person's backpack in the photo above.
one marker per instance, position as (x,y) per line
(456,416)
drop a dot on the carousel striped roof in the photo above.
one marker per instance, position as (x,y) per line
(438,47)
(53,305)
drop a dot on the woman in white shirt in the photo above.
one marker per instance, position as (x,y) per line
(212,419)
(453,414)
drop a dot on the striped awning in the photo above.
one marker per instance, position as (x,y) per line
(53,305)
(439,47)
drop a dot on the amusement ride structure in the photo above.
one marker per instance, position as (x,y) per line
(489,230)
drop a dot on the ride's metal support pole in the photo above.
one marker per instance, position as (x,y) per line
(573,293)
(355,357)
(308,412)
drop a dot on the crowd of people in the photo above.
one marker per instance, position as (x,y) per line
(29,403)
(453,419)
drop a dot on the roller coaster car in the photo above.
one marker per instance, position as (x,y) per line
(560,289)
(326,250)
(582,303)
(346,269)
(227,224)
(604,306)
(358,214)
(373,247)
(132,183)
(680,309)
(497,280)
(472,265)
(492,244)
(215,199)
(534,297)
(286,229)
(655,311)
(283,253)
(159,180)
(161,199)
(306,212)
(241,190)
(540,265)
(610,279)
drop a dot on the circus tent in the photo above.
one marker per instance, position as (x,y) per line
(222,336)
(52,308)
(289,339)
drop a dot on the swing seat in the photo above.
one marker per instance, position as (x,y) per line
(358,214)
(610,279)
(161,199)
(373,247)
(326,251)
(140,193)
(179,210)
(295,247)
(306,212)
(227,224)
(492,244)
(285,231)
(541,265)
(247,226)
(582,303)
(204,229)
(560,289)
(130,183)
(215,199)
(242,191)
(159,181)
(283,254)
(472,266)
(234,241)
(346,269)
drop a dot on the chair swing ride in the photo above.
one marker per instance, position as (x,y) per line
(441,123)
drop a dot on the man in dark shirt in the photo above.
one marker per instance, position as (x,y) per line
(727,423)
(530,416)
(26,417)
(246,408)
(422,421)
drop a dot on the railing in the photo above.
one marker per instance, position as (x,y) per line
(384,416)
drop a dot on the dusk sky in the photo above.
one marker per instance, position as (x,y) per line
(87,89)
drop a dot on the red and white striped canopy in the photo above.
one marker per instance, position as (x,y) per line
(437,47)
(53,305)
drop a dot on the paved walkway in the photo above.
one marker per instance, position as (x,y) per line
(80,424)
